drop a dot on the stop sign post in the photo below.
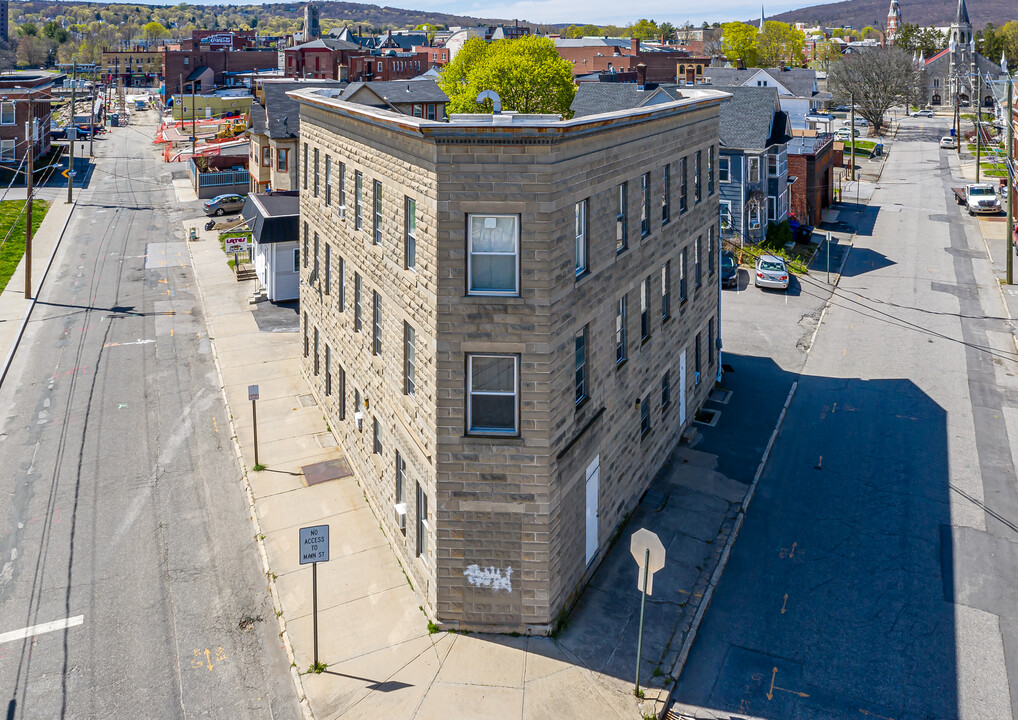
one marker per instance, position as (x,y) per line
(649,554)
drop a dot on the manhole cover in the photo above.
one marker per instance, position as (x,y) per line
(326,470)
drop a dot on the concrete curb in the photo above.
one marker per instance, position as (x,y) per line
(708,593)
(277,604)
(42,279)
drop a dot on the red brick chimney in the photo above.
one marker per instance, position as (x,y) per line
(634,45)
(641,76)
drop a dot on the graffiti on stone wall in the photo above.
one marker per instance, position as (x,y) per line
(490,577)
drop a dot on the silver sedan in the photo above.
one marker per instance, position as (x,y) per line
(771,273)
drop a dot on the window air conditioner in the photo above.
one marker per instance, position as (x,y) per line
(342,212)
(358,418)
(400,512)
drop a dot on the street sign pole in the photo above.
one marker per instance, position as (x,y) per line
(1009,230)
(314,548)
(643,602)
(252,395)
(828,258)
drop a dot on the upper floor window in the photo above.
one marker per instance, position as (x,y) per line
(410,222)
(342,189)
(266,156)
(376,331)
(645,309)
(492,392)
(666,194)
(305,171)
(710,171)
(377,220)
(772,165)
(580,220)
(697,177)
(315,188)
(493,263)
(409,359)
(282,159)
(621,239)
(683,185)
(620,331)
(581,365)
(724,169)
(358,198)
(645,205)
(328,180)
(754,169)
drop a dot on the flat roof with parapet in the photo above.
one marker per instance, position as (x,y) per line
(460,126)
(29,79)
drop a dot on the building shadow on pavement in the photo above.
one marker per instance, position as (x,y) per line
(865,260)
(837,599)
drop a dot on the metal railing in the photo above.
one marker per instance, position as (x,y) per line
(218,178)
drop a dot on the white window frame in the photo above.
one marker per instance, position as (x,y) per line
(725,213)
(754,217)
(772,208)
(580,228)
(7,149)
(753,169)
(515,291)
(410,233)
(724,169)
(471,430)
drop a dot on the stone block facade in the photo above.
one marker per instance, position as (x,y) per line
(505,524)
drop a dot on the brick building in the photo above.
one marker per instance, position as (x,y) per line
(389,66)
(811,163)
(320,59)
(436,55)
(508,322)
(139,67)
(26,95)
(596,55)
(179,64)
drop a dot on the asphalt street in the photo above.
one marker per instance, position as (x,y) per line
(874,574)
(122,515)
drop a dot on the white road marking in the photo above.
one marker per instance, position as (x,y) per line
(40,629)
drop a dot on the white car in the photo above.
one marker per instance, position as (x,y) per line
(948,142)
(845,134)
(923,113)
(859,121)
(771,272)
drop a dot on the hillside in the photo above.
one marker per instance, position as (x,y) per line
(860,13)
(332,13)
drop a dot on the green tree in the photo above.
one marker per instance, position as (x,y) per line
(572,32)
(668,30)
(28,30)
(590,31)
(154,31)
(739,43)
(644,29)
(870,32)
(528,75)
(780,43)
(55,32)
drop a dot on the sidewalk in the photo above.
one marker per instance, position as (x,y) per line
(14,308)
(382,659)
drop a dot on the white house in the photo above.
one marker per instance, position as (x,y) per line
(274,220)
(797,90)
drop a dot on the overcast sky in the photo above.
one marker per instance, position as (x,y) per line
(605,12)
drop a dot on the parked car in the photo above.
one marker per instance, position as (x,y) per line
(948,142)
(845,134)
(771,273)
(923,113)
(222,204)
(729,269)
(859,121)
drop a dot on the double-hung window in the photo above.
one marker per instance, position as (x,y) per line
(314,191)
(423,528)
(621,238)
(620,331)
(314,265)
(7,150)
(645,309)
(316,350)
(754,216)
(710,342)
(772,165)
(696,359)
(282,159)
(493,266)
(305,169)
(710,171)
(410,241)
(357,306)
(306,252)
(683,184)
(328,180)
(710,251)
(725,210)
(492,394)
(666,290)
(328,370)
(328,269)
(376,331)
(377,221)
(266,156)
(696,259)
(666,194)
(376,435)
(682,276)
(753,172)
(724,169)
(358,197)
(666,391)
(400,477)
(342,189)
(6,113)
(341,290)
(581,365)
(580,218)
(645,205)
(772,208)
(409,359)
(697,177)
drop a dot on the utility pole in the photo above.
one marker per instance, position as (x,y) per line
(1009,231)
(979,118)
(30,141)
(194,124)
(851,155)
(91,120)
(72,130)
(957,122)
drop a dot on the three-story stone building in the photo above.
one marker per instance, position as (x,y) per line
(509,321)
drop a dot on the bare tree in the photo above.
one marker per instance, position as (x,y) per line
(876,80)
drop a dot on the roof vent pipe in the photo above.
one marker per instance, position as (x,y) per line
(496,101)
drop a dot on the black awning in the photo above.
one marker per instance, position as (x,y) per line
(273,217)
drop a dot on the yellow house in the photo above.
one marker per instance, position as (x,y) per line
(207,107)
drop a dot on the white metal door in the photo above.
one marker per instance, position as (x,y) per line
(593,473)
(682,387)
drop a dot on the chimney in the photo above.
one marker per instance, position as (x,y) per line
(634,45)
(641,77)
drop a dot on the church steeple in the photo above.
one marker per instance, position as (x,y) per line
(962,16)
(893,21)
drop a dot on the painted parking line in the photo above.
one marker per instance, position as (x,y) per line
(40,629)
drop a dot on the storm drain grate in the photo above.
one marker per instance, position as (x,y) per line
(708,417)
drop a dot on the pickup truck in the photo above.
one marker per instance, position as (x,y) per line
(978,198)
